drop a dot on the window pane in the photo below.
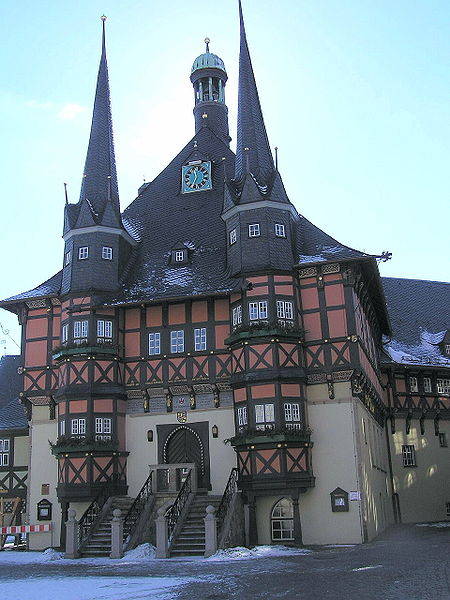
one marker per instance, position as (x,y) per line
(288,310)
(280,309)
(270,415)
(288,412)
(108,329)
(253,311)
(263,309)
(259,413)
(100,328)
(295,412)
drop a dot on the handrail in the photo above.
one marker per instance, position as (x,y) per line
(91,515)
(230,489)
(175,511)
(132,517)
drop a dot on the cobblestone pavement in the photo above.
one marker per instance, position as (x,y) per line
(406,563)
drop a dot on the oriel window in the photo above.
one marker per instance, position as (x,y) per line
(80,330)
(5,449)
(104,330)
(78,426)
(237,315)
(257,310)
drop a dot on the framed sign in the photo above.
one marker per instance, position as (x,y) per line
(339,500)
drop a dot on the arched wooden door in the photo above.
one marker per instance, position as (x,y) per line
(185,446)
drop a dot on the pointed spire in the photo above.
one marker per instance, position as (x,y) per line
(253,151)
(99,184)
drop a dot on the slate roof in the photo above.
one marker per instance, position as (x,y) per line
(251,131)
(420,317)
(49,288)
(164,217)
(314,245)
(12,413)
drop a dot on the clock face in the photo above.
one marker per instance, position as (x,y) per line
(196,177)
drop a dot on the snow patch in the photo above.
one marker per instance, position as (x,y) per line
(368,568)
(241,553)
(142,552)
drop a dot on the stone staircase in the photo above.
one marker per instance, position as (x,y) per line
(99,543)
(191,539)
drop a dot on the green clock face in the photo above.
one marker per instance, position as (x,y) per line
(196,177)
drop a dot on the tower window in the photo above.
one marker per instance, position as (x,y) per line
(413,385)
(254,230)
(104,330)
(409,455)
(102,428)
(78,426)
(233,236)
(68,258)
(200,338)
(237,315)
(285,310)
(107,252)
(292,415)
(154,343)
(242,416)
(83,253)
(257,310)
(5,449)
(280,230)
(443,386)
(264,416)
(427,384)
(177,341)
(80,330)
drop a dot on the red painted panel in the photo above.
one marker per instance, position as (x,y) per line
(83,300)
(313,327)
(240,394)
(259,279)
(56,326)
(334,294)
(259,350)
(154,316)
(222,332)
(310,298)
(258,291)
(278,278)
(37,328)
(132,344)
(337,322)
(333,277)
(77,406)
(62,408)
(199,311)
(266,390)
(221,310)
(235,297)
(400,385)
(285,290)
(132,318)
(177,313)
(290,389)
(36,353)
(103,405)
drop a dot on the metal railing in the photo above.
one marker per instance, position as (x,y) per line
(176,510)
(132,517)
(230,489)
(90,518)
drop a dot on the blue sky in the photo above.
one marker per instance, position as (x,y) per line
(354,93)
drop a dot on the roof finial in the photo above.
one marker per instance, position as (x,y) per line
(207,41)
(65,193)
(103,19)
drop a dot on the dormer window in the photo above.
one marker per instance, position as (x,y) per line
(233,236)
(83,253)
(68,258)
(254,230)
(280,230)
(179,255)
(107,253)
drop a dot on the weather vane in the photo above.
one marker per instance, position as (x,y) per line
(207,40)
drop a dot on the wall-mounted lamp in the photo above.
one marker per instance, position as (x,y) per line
(215,431)
(150,435)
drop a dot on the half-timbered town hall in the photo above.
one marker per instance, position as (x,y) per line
(209,346)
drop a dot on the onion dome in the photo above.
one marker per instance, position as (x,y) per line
(207,60)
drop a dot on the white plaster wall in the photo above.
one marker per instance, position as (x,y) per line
(43,469)
(21,451)
(144,453)
(374,472)
(334,465)
(423,490)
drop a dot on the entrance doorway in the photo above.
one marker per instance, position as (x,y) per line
(184,445)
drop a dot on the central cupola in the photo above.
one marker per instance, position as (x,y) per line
(209,77)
